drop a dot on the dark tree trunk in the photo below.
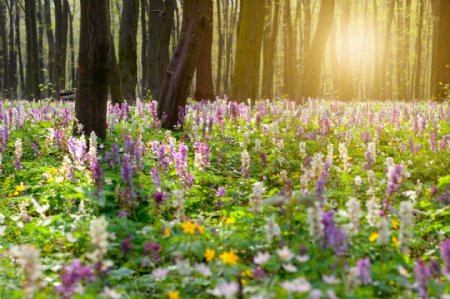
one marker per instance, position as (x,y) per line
(115,88)
(12,65)
(376,59)
(4,78)
(307,32)
(161,15)
(128,49)
(93,61)
(269,43)
(50,44)
(178,78)
(232,17)
(73,73)
(401,58)
(144,44)
(204,86)
(248,51)
(290,53)
(33,80)
(61,28)
(345,78)
(442,60)
(386,82)
(311,79)
(41,27)
(418,63)
(406,55)
(19,54)
(220,46)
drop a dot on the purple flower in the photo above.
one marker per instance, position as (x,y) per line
(71,277)
(259,273)
(394,177)
(159,197)
(221,192)
(445,256)
(333,236)
(126,171)
(126,244)
(422,274)
(364,273)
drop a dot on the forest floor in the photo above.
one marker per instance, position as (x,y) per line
(275,200)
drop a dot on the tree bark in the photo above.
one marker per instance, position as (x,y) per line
(290,53)
(32,66)
(4,78)
(386,81)
(144,45)
(12,65)
(269,43)
(93,61)
(50,44)
(19,54)
(220,46)
(72,51)
(178,78)
(204,86)
(161,15)
(418,63)
(61,29)
(441,63)
(345,78)
(311,79)
(128,49)
(115,88)
(248,51)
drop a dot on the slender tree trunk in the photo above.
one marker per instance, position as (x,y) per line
(93,62)
(72,51)
(334,62)
(386,81)
(41,27)
(115,88)
(204,86)
(144,44)
(269,43)
(128,49)
(406,55)
(161,15)
(4,78)
(19,54)
(50,44)
(400,45)
(418,63)
(290,52)
(178,78)
(220,46)
(306,32)
(376,60)
(346,78)
(12,66)
(61,27)
(311,80)
(33,80)
(248,52)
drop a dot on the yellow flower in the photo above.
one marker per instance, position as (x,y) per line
(229,258)
(395,241)
(166,231)
(395,224)
(174,295)
(373,236)
(20,188)
(210,254)
(188,227)
(230,220)
(200,229)
(247,273)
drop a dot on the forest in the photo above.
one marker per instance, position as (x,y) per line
(256,149)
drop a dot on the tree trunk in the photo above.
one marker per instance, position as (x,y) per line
(345,78)
(93,61)
(290,52)
(41,27)
(50,44)
(12,66)
(115,88)
(19,54)
(376,59)
(72,51)
(441,62)
(204,86)
(61,27)
(161,14)
(178,78)
(418,63)
(401,58)
(248,52)
(220,46)
(128,49)
(4,80)
(311,80)
(32,67)
(386,81)
(144,44)
(269,43)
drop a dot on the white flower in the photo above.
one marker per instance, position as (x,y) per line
(285,254)
(261,258)
(403,272)
(330,279)
(315,294)
(302,258)
(99,238)
(358,180)
(2,230)
(299,285)
(290,268)
(160,273)
(110,293)
(203,269)
(225,289)
(272,229)
(28,258)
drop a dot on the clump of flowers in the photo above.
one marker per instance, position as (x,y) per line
(256,198)
(229,258)
(28,257)
(245,162)
(18,153)
(445,256)
(71,277)
(422,273)
(99,239)
(406,224)
(191,228)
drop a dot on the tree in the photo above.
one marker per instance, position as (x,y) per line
(386,81)
(345,78)
(220,46)
(248,51)
(204,86)
(441,61)
(161,15)
(32,66)
(12,66)
(311,78)
(418,63)
(50,44)
(93,61)
(4,80)
(290,52)
(178,78)
(128,49)
(269,43)
(61,30)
